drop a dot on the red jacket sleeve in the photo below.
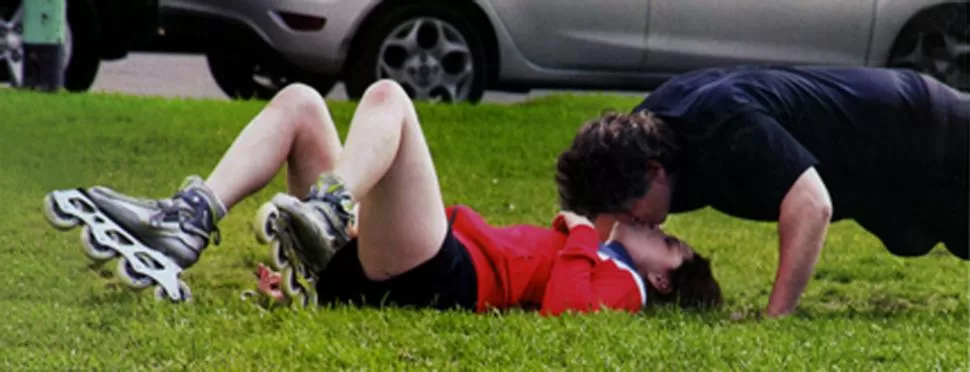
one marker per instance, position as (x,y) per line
(580,281)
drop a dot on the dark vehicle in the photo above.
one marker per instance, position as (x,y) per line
(98,30)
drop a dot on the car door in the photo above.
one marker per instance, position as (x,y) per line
(577,35)
(684,35)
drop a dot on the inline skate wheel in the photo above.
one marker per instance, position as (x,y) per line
(94,250)
(126,272)
(264,223)
(291,284)
(309,299)
(57,218)
(300,301)
(248,295)
(277,256)
(184,296)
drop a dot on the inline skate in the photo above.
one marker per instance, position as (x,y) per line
(155,240)
(305,234)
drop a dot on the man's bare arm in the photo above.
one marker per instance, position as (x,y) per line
(803,223)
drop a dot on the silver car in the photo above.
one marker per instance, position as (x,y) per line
(456,50)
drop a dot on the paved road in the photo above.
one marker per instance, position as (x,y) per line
(173,75)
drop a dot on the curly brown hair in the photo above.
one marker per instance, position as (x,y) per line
(605,168)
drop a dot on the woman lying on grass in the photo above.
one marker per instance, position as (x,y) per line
(367,224)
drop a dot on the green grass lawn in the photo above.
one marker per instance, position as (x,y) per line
(865,309)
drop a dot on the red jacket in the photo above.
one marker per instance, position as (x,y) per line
(533,267)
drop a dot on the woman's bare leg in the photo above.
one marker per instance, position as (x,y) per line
(295,129)
(387,167)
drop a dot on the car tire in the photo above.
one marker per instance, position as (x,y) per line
(930,43)
(240,76)
(235,73)
(423,73)
(85,60)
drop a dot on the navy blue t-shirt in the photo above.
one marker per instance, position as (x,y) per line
(747,133)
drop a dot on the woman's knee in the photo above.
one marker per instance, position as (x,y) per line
(300,99)
(385,92)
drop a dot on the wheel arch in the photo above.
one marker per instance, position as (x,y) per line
(894,17)
(124,25)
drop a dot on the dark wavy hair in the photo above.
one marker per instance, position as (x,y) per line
(605,168)
(693,284)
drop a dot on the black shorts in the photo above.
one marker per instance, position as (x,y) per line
(939,210)
(446,282)
(950,109)
(951,214)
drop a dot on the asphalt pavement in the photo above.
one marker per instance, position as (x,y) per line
(187,76)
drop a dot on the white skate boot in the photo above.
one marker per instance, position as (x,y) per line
(305,235)
(156,239)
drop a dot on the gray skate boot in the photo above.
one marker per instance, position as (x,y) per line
(156,239)
(305,234)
